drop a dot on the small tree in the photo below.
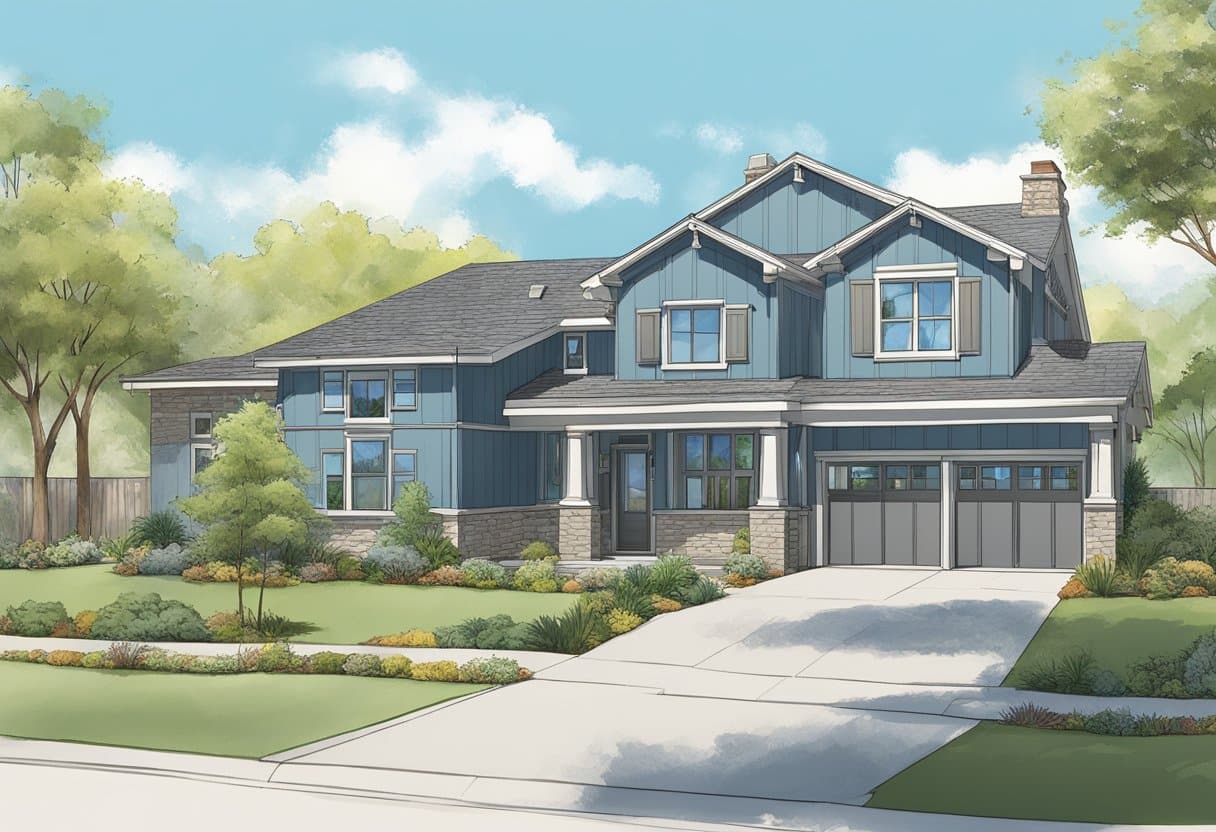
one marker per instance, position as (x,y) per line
(1186,414)
(1136,485)
(414,517)
(251,501)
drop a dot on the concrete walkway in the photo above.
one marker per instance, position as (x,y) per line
(531,659)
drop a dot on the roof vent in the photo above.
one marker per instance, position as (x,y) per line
(536,291)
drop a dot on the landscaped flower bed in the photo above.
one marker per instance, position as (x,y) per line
(277,658)
(1111,722)
(71,551)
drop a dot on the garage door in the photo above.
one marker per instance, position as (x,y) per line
(885,513)
(1019,514)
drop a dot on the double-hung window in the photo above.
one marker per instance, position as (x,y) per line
(916,313)
(405,389)
(369,474)
(333,384)
(717,470)
(366,395)
(694,336)
(334,480)
(202,447)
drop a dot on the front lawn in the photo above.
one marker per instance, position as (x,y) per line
(248,715)
(1118,631)
(1010,772)
(345,612)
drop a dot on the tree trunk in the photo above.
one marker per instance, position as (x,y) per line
(262,590)
(41,525)
(84,477)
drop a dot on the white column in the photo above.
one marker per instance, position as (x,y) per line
(576,469)
(774,459)
(1101,464)
(947,513)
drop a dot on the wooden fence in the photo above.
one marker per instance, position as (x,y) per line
(1186,498)
(117,501)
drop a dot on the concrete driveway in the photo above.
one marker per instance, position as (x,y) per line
(815,687)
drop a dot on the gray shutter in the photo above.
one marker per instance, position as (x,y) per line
(648,337)
(862,319)
(969,316)
(738,334)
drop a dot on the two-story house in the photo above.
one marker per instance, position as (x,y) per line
(857,376)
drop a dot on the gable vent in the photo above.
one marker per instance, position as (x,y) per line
(536,291)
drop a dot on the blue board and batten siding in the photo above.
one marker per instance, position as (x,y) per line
(905,245)
(799,346)
(786,217)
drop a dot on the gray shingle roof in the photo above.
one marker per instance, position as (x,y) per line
(1033,235)
(1066,369)
(478,309)
(229,367)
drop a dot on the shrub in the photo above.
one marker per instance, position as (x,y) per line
(72,551)
(1194,536)
(171,560)
(484,574)
(197,574)
(126,655)
(536,576)
(1193,592)
(1135,554)
(1114,723)
(577,630)
(166,662)
(1168,577)
(445,671)
(36,618)
(742,543)
(633,599)
(498,632)
(538,550)
(148,618)
(315,573)
(398,667)
(598,602)
(362,664)
(313,549)
(6,625)
(1098,575)
(216,664)
(95,660)
(82,624)
(160,528)
(637,575)
(435,547)
(278,658)
(1073,589)
(65,658)
(1074,673)
(662,604)
(1136,485)
(1199,669)
(490,671)
(572,587)
(1157,676)
(670,574)
(702,592)
(443,576)
(326,662)
(1107,683)
(1029,715)
(598,578)
(622,621)
(395,564)
(273,625)
(1154,514)
(414,518)
(745,565)
(349,569)
(410,638)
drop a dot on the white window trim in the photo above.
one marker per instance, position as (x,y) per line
(915,274)
(210,446)
(210,421)
(392,389)
(369,375)
(575,371)
(348,490)
(341,408)
(665,362)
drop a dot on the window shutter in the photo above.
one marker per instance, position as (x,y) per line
(862,319)
(648,337)
(969,316)
(738,334)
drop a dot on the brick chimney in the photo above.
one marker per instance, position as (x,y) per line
(1043,191)
(758,165)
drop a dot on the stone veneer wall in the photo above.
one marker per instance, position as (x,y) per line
(1100,531)
(356,535)
(171,409)
(578,532)
(500,534)
(706,536)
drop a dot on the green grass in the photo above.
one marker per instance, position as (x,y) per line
(1010,772)
(246,715)
(1118,631)
(343,612)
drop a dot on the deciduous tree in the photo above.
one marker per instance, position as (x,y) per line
(1186,414)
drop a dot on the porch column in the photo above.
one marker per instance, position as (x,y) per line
(1101,505)
(769,519)
(774,457)
(578,521)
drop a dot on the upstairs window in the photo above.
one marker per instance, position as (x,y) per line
(576,353)
(916,314)
(332,384)
(694,335)
(366,396)
(200,425)
(405,389)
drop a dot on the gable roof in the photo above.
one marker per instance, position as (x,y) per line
(1034,235)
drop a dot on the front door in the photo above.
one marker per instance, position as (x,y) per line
(632,500)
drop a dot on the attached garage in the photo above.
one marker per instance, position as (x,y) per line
(885,513)
(1021,514)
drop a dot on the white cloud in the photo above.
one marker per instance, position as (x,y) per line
(384,70)
(423,176)
(1144,271)
(726,139)
(718,137)
(10,76)
(798,138)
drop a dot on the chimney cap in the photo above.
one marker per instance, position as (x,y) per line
(761,161)
(1044,166)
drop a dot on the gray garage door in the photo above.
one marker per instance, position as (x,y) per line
(1019,514)
(885,513)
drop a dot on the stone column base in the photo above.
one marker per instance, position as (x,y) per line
(774,535)
(578,532)
(1101,522)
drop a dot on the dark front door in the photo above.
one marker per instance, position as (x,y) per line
(632,500)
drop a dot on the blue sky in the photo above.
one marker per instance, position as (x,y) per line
(557,129)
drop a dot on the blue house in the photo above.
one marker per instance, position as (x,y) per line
(853,374)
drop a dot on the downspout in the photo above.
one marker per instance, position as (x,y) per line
(456,430)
